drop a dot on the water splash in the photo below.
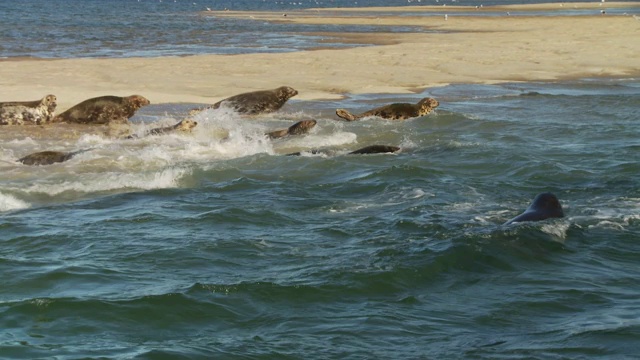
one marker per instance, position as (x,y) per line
(8,203)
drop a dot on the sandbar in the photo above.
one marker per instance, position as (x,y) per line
(460,48)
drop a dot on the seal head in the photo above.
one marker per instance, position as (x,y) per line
(544,206)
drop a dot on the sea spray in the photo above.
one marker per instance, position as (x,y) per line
(9,202)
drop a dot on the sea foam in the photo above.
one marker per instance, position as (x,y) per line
(9,202)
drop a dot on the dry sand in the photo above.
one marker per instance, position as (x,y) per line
(460,49)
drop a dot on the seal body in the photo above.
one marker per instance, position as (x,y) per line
(28,112)
(256,102)
(299,128)
(184,125)
(376,149)
(49,157)
(103,110)
(544,206)
(397,111)
(371,149)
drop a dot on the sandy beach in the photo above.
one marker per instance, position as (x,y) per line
(458,49)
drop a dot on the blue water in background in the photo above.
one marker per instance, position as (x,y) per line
(131,28)
(191,247)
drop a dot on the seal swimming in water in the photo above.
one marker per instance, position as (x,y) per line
(103,110)
(371,149)
(49,157)
(255,102)
(376,149)
(299,128)
(544,206)
(184,125)
(397,111)
(28,112)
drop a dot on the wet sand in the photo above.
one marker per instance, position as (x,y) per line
(458,49)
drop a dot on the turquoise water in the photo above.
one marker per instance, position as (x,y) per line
(189,247)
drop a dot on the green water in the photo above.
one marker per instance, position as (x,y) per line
(194,247)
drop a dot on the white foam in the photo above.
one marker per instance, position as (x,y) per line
(557,229)
(8,203)
(87,183)
(416,194)
(93,140)
(23,142)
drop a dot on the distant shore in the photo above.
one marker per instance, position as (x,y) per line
(455,49)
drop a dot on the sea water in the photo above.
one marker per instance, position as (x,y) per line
(135,28)
(217,245)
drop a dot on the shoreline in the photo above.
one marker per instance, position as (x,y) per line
(460,49)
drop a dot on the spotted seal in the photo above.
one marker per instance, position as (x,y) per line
(49,157)
(299,128)
(28,112)
(544,206)
(103,110)
(397,111)
(255,102)
(185,125)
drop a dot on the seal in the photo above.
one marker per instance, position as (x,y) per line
(49,157)
(185,125)
(371,149)
(255,102)
(544,206)
(103,110)
(299,128)
(28,112)
(396,111)
(376,149)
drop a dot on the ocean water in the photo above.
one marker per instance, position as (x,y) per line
(143,28)
(216,245)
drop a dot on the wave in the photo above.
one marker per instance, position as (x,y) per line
(9,202)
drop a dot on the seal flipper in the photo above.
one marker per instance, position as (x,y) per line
(74,153)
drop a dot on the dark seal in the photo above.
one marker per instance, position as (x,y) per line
(256,102)
(397,111)
(300,128)
(28,112)
(544,206)
(103,110)
(376,149)
(49,157)
(184,125)
(371,149)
